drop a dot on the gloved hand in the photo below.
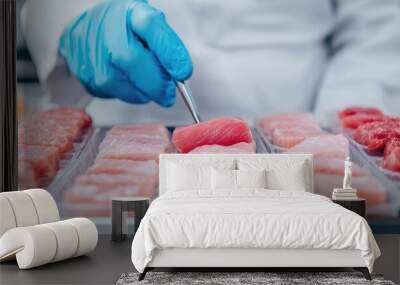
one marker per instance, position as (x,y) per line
(126,50)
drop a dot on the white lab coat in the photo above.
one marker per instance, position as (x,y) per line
(255,57)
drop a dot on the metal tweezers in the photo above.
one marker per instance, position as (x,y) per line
(189,102)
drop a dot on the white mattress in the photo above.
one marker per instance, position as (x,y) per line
(253,219)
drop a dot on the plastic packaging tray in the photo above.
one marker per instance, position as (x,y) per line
(362,159)
(85,157)
(374,158)
(68,161)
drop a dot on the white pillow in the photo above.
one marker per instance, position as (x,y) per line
(282,173)
(251,178)
(296,181)
(223,179)
(181,177)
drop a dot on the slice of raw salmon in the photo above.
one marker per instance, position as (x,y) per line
(115,166)
(287,137)
(324,146)
(287,120)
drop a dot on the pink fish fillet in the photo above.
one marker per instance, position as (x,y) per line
(129,139)
(140,128)
(93,201)
(287,120)
(106,181)
(324,146)
(133,151)
(145,184)
(235,148)
(66,113)
(46,137)
(96,194)
(287,137)
(115,166)
(221,131)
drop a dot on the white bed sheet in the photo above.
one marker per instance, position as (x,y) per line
(250,218)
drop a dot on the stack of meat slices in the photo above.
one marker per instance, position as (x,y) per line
(288,129)
(222,135)
(44,139)
(300,133)
(329,152)
(376,131)
(126,166)
(353,117)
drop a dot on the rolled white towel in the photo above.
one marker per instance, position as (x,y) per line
(37,245)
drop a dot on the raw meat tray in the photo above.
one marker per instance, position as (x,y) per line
(374,159)
(68,162)
(362,159)
(85,157)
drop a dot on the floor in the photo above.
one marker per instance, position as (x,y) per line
(103,266)
(111,259)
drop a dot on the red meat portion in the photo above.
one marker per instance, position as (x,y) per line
(66,113)
(222,131)
(391,146)
(70,128)
(44,160)
(356,120)
(58,127)
(375,135)
(391,160)
(41,137)
(350,111)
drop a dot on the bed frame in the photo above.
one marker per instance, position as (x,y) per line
(242,259)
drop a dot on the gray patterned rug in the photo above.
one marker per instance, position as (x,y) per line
(269,278)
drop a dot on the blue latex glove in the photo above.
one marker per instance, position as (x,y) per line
(126,50)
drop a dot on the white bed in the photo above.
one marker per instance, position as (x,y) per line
(248,227)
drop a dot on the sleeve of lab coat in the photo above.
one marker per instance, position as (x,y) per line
(364,67)
(42,23)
